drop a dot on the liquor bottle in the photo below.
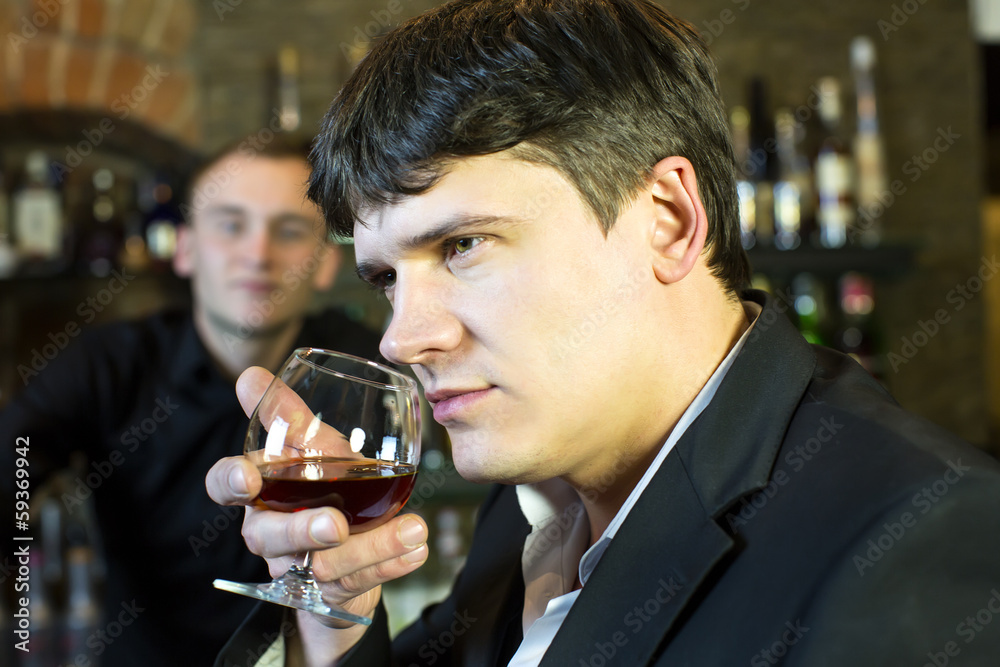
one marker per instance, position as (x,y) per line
(8,649)
(288,89)
(834,171)
(281,86)
(82,611)
(763,161)
(43,644)
(869,150)
(809,301)
(162,219)
(449,543)
(739,119)
(102,234)
(134,256)
(52,522)
(857,336)
(38,216)
(793,191)
(8,254)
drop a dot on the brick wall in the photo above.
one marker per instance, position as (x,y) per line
(128,59)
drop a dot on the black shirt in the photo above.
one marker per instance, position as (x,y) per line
(145,403)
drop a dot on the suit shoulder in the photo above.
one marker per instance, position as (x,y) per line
(867,429)
(918,579)
(146,334)
(96,355)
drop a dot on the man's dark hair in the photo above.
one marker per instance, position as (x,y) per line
(279,147)
(600,90)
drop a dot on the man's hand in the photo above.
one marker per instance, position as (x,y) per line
(349,568)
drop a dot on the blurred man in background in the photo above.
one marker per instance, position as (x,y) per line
(150,403)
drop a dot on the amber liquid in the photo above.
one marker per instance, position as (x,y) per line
(368,492)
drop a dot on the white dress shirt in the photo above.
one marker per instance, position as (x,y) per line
(555,552)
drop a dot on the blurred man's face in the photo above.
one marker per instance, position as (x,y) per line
(255,249)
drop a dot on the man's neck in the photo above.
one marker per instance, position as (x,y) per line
(234,351)
(604,499)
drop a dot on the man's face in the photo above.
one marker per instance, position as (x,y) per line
(255,247)
(522,321)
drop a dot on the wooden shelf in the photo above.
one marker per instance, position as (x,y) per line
(884,261)
(60,131)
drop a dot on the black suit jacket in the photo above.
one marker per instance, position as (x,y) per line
(803,519)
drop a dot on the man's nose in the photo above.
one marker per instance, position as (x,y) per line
(257,246)
(422,325)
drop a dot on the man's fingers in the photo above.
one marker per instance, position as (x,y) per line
(282,401)
(233,481)
(361,581)
(273,534)
(251,385)
(362,561)
(368,559)
(287,418)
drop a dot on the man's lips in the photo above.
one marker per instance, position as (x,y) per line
(256,286)
(449,404)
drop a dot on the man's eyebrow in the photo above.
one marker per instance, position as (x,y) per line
(279,219)
(224,209)
(292,217)
(457,225)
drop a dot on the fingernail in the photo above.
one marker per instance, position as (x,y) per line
(412,533)
(238,483)
(324,530)
(418,555)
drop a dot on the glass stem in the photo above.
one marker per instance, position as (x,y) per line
(303,572)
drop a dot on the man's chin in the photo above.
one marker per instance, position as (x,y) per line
(248,325)
(487,470)
(471,468)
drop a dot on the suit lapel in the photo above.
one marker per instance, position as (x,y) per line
(730,449)
(645,579)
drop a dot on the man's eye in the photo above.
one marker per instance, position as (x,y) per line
(230,227)
(466,244)
(385,280)
(292,233)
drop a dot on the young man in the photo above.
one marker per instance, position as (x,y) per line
(544,190)
(150,402)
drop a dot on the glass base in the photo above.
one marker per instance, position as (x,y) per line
(294,589)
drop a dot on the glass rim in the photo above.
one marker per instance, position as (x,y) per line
(405,382)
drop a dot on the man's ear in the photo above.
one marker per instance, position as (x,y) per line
(183,261)
(329,265)
(680,225)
